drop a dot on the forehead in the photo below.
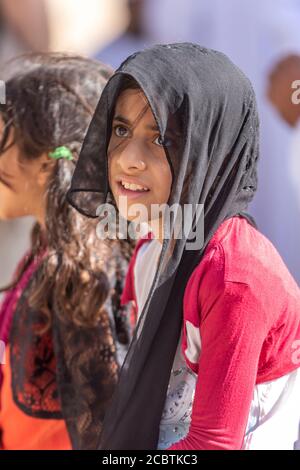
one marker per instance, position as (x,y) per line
(132,104)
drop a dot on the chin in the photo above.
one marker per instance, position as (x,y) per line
(5,215)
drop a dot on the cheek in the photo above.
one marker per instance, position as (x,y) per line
(112,151)
(164,176)
(111,169)
(10,204)
(20,201)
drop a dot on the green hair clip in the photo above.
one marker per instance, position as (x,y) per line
(61,152)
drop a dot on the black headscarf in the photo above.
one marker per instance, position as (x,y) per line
(213,163)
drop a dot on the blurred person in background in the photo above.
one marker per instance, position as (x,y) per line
(61,315)
(256,35)
(23,28)
(284,89)
(136,36)
(284,94)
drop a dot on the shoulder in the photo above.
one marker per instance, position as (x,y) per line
(248,255)
(239,260)
(238,252)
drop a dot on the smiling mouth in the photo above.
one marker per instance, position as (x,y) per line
(132,187)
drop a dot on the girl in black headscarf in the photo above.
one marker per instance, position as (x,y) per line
(214,360)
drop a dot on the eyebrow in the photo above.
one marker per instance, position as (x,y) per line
(128,123)
(122,119)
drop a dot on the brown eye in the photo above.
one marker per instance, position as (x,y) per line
(121,131)
(159,141)
(162,142)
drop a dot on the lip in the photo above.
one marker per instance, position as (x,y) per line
(127,192)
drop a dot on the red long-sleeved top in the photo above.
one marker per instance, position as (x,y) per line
(245,307)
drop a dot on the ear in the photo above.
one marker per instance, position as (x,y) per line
(46,166)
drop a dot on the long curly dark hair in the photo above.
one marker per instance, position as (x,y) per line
(49,103)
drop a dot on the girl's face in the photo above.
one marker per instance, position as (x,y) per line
(138,167)
(22,183)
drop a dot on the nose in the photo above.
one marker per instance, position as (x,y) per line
(132,157)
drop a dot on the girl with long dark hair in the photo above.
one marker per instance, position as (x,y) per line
(61,319)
